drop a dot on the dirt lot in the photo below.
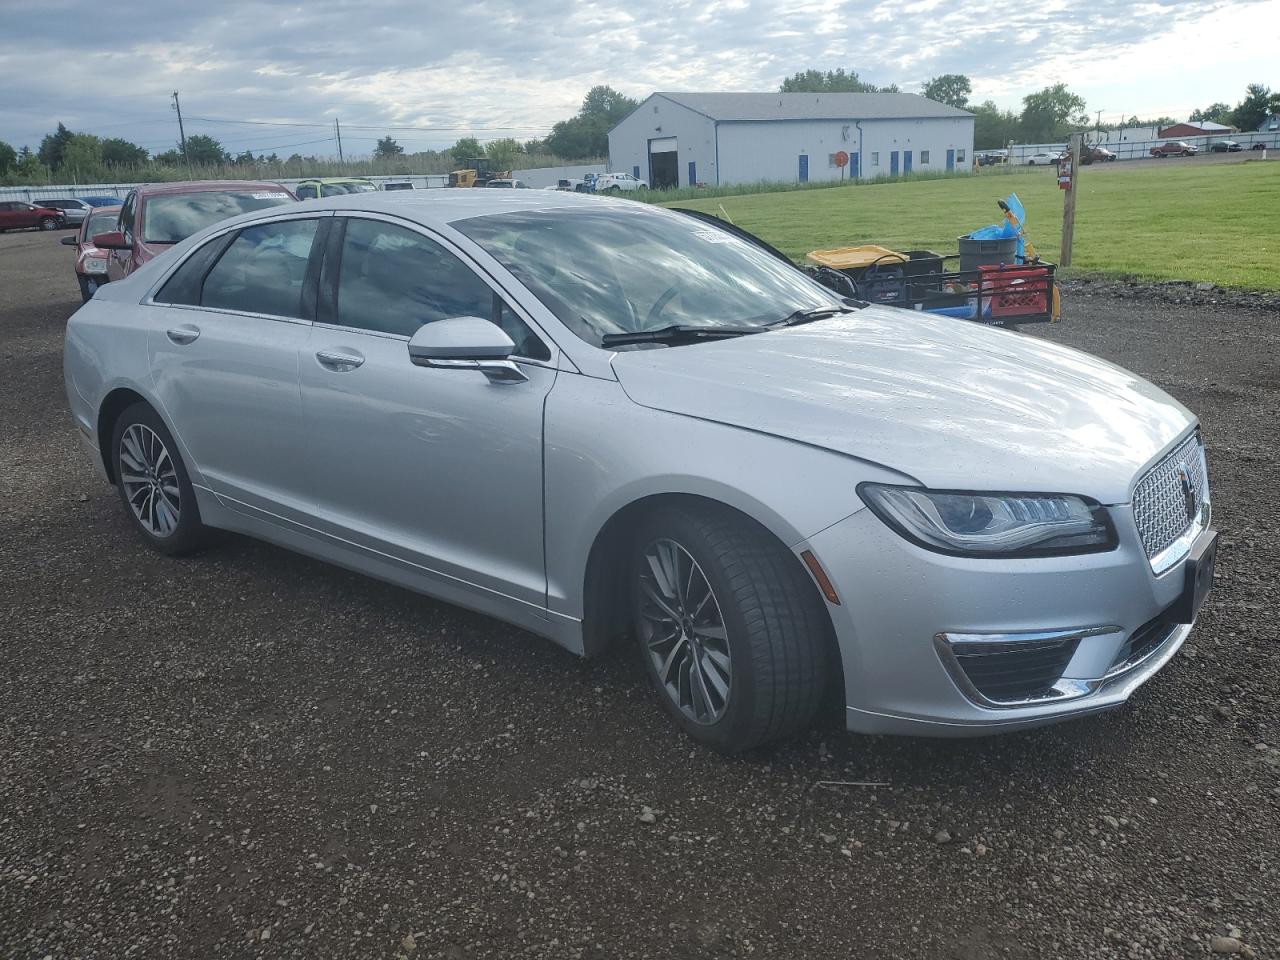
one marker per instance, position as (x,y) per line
(250,754)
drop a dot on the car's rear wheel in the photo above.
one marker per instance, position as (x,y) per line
(153,483)
(614,189)
(731,631)
(48,223)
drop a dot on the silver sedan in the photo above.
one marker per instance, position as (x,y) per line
(595,418)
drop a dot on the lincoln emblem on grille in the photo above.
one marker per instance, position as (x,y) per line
(1188,493)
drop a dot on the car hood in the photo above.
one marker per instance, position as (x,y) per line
(949,402)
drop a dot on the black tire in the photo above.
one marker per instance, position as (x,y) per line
(614,189)
(48,223)
(87,291)
(188,533)
(777,632)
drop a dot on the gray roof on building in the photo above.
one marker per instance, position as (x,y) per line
(813,106)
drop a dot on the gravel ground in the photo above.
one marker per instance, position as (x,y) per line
(250,754)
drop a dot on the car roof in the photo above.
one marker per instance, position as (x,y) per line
(445,205)
(205,186)
(336,180)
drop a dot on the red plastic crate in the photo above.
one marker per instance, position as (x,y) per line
(1014,291)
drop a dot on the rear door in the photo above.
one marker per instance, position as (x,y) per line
(224,344)
(8,214)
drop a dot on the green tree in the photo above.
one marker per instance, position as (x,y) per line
(29,166)
(1048,114)
(586,134)
(503,153)
(387,148)
(831,81)
(950,88)
(993,128)
(118,152)
(1214,113)
(468,148)
(8,158)
(82,155)
(169,158)
(53,145)
(204,149)
(534,146)
(245,157)
(1258,104)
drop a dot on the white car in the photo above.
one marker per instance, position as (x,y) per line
(1041,159)
(618,182)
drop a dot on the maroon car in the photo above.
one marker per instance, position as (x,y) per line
(1174,148)
(17,214)
(156,216)
(91,263)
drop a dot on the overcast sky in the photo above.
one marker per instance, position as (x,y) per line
(513,67)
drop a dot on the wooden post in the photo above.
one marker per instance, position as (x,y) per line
(1069,202)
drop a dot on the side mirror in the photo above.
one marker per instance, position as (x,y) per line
(466,343)
(70,241)
(111,241)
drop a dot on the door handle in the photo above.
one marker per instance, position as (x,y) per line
(339,362)
(183,334)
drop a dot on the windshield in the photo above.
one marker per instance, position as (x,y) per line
(622,270)
(170,218)
(101,223)
(339,189)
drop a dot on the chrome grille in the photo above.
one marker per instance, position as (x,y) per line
(1160,502)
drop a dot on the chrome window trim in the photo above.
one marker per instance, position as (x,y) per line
(233,313)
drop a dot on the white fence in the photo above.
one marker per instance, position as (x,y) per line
(550,176)
(1141,149)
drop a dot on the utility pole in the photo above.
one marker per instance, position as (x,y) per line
(338,132)
(1072,185)
(182,136)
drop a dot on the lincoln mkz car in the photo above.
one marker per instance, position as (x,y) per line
(598,419)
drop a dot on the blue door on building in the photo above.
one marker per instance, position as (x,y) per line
(951,159)
(893,163)
(906,161)
(635,171)
(804,168)
(853,165)
(693,174)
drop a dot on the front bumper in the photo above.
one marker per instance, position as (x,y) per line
(905,611)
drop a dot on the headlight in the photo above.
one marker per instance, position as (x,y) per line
(992,524)
(95,265)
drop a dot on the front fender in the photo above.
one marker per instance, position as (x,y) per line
(793,489)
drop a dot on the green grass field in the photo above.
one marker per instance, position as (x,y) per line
(1180,220)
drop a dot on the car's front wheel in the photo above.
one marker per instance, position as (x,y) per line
(88,287)
(732,633)
(48,223)
(153,483)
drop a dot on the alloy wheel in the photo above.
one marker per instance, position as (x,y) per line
(684,633)
(149,477)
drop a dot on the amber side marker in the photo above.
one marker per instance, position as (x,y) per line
(824,583)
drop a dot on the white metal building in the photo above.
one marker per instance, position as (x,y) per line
(682,139)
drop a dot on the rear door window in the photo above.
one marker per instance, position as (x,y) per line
(263,270)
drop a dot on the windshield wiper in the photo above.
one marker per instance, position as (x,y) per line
(808,315)
(676,333)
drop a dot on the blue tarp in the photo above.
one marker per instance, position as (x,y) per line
(1004,230)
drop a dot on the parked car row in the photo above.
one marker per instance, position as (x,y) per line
(602,183)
